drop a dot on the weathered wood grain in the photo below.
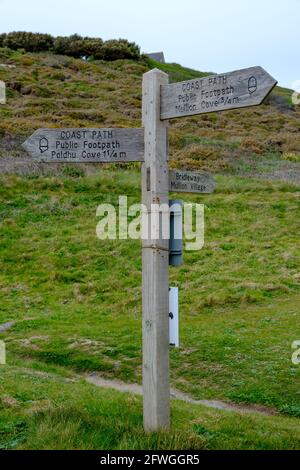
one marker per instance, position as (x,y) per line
(191,182)
(86,145)
(239,89)
(155,186)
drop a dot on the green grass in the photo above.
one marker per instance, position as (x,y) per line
(47,411)
(77,299)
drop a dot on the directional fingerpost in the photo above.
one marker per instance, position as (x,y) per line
(247,87)
(86,145)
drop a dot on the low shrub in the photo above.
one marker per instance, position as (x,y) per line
(30,42)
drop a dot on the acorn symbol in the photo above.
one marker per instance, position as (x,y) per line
(252,85)
(44,144)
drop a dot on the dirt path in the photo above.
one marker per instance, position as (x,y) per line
(136,389)
(6,326)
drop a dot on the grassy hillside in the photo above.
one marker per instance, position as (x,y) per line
(45,90)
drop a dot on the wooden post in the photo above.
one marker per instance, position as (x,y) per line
(155,190)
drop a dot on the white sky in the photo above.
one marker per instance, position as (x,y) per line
(210,35)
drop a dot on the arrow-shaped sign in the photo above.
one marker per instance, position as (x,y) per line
(86,145)
(191,182)
(247,87)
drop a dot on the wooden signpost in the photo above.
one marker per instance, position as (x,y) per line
(161,101)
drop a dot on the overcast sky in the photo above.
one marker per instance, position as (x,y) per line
(208,35)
